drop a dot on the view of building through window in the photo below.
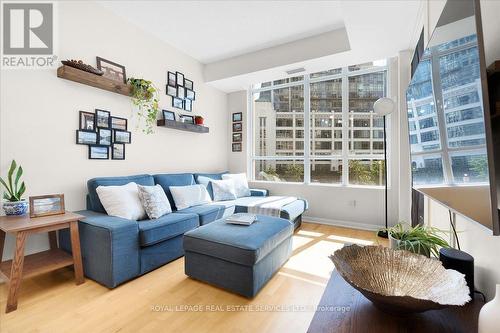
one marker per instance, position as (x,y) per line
(448,79)
(345,137)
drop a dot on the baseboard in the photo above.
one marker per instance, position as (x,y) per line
(339,223)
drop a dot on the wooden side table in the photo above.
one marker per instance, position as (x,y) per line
(25,266)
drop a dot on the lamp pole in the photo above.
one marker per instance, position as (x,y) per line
(383,233)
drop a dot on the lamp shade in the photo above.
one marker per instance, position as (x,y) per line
(383,106)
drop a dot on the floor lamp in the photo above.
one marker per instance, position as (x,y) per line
(383,107)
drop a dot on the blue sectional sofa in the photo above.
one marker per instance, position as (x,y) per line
(115,250)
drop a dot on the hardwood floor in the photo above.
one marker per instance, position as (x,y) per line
(166,300)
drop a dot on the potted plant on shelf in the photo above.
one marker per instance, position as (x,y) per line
(13,203)
(198,120)
(145,97)
(419,239)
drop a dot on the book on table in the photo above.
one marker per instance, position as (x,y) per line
(241,218)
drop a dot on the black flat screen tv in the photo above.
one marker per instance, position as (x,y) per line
(449,121)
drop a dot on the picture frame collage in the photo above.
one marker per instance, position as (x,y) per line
(102,133)
(183,96)
(237,137)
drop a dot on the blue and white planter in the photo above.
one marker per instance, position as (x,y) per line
(15,207)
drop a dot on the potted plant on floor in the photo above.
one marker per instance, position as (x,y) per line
(13,203)
(419,239)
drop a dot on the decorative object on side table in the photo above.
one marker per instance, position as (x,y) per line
(198,120)
(13,203)
(46,205)
(78,64)
(111,70)
(419,239)
(388,278)
(489,317)
(145,98)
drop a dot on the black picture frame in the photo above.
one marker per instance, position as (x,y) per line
(98,122)
(114,155)
(237,137)
(238,127)
(85,118)
(237,147)
(122,128)
(92,133)
(181,92)
(116,139)
(177,103)
(187,119)
(101,139)
(179,78)
(171,79)
(237,116)
(171,90)
(93,150)
(190,94)
(188,105)
(188,84)
(100,61)
(168,115)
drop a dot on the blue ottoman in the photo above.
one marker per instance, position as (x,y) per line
(238,258)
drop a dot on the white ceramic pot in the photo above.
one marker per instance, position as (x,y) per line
(489,317)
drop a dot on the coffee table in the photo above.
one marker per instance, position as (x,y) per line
(26,266)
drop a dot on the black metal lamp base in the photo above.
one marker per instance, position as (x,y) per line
(383,234)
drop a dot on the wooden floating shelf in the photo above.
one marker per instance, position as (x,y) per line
(76,75)
(182,126)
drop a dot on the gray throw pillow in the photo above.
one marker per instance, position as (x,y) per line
(154,200)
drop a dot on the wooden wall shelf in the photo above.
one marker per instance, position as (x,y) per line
(76,75)
(182,126)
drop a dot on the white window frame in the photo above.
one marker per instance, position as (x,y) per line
(344,75)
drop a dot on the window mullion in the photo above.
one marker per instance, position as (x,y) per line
(307,131)
(345,129)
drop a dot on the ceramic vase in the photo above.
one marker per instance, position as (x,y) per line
(15,207)
(489,317)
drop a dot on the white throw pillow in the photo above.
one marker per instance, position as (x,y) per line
(224,190)
(154,200)
(240,183)
(188,196)
(122,201)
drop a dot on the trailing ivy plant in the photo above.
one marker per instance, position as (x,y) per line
(145,98)
(14,190)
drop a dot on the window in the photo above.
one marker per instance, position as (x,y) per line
(341,130)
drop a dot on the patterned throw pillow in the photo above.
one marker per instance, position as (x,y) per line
(154,200)
(224,190)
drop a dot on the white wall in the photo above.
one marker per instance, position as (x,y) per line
(355,206)
(474,238)
(39,112)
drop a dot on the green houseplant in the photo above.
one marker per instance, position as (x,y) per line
(145,97)
(419,239)
(13,203)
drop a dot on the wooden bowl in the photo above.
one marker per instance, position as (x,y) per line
(398,281)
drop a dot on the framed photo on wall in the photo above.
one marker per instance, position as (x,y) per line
(171,91)
(119,123)
(87,121)
(238,116)
(237,137)
(86,137)
(171,79)
(188,105)
(236,147)
(190,94)
(237,127)
(168,115)
(118,151)
(122,137)
(188,84)
(45,205)
(104,137)
(181,92)
(98,152)
(179,79)
(102,118)
(177,103)
(111,70)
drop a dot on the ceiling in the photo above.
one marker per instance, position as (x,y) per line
(211,31)
(234,38)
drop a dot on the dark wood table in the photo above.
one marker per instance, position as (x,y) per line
(344,309)
(25,266)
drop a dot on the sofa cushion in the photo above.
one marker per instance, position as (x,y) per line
(166,227)
(289,212)
(207,213)
(94,202)
(244,245)
(205,178)
(173,179)
(122,201)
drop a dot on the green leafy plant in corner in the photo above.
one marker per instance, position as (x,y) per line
(419,239)
(14,190)
(145,98)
